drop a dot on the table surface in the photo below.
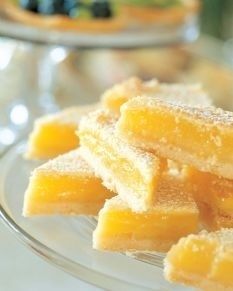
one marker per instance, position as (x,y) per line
(21,270)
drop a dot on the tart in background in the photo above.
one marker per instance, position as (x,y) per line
(98,15)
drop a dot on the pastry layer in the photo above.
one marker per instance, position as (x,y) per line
(131,172)
(192,95)
(61,22)
(65,185)
(174,214)
(54,134)
(199,137)
(151,14)
(204,261)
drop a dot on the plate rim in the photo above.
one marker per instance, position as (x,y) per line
(75,269)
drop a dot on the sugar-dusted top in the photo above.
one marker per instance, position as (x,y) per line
(172,195)
(207,115)
(70,115)
(190,94)
(102,124)
(223,237)
(69,163)
(131,88)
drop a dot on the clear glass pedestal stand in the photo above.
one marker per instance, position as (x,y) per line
(26,80)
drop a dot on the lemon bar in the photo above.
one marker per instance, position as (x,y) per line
(173,215)
(65,185)
(214,196)
(192,95)
(199,137)
(54,134)
(212,219)
(218,191)
(204,261)
(131,172)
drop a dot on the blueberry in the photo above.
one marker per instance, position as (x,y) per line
(101,9)
(31,5)
(77,8)
(72,4)
(52,7)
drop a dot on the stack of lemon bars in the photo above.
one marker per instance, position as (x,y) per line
(154,162)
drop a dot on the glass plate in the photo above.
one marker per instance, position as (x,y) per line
(67,241)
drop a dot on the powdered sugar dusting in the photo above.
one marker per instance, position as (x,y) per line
(69,115)
(171,195)
(70,163)
(223,237)
(209,115)
(189,94)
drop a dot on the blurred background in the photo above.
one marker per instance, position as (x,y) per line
(38,79)
(56,76)
(217,18)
